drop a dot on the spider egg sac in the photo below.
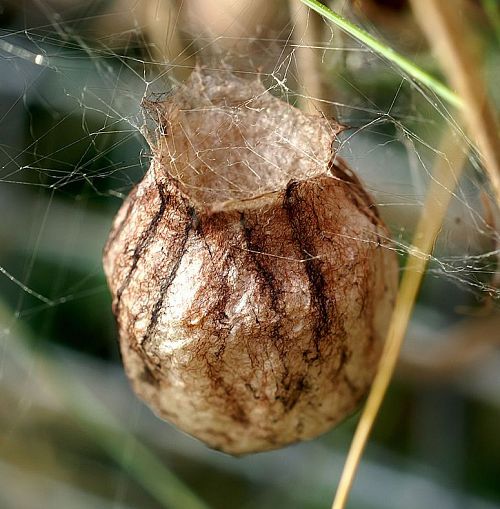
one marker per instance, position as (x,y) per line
(250,271)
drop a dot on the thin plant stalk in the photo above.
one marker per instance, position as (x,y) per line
(161,19)
(307,34)
(450,39)
(439,194)
(387,52)
(441,189)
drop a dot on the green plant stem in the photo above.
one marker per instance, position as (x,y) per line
(387,52)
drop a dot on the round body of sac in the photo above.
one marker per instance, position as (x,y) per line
(251,279)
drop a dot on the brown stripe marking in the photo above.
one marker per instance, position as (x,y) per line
(145,239)
(290,387)
(302,234)
(166,283)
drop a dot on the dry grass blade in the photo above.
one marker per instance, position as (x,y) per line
(450,39)
(306,35)
(445,177)
(448,35)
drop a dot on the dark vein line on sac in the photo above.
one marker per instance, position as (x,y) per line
(267,276)
(179,254)
(144,241)
(317,284)
(291,387)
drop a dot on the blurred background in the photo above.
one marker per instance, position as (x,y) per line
(72,76)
